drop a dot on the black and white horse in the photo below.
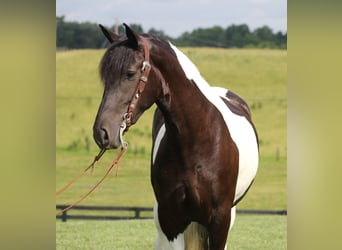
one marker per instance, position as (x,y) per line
(205,147)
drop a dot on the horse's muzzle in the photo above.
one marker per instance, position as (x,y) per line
(105,139)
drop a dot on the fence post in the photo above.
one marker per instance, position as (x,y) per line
(137,213)
(64,216)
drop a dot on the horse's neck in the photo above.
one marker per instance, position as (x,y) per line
(187,111)
(188,114)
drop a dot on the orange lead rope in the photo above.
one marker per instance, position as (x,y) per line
(91,166)
(109,170)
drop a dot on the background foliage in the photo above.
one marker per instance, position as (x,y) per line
(88,35)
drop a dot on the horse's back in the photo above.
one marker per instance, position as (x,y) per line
(241,128)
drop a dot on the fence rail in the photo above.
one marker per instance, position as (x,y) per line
(136,213)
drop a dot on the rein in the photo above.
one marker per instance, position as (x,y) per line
(91,166)
(126,123)
(108,171)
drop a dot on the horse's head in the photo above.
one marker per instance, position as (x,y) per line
(123,70)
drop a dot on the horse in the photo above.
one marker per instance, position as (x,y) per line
(205,147)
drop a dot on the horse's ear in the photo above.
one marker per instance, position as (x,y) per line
(111,36)
(133,37)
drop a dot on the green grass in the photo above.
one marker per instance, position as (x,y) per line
(249,232)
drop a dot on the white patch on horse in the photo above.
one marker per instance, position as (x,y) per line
(162,243)
(159,137)
(240,129)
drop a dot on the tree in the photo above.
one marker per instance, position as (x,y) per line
(264,34)
(281,40)
(136,27)
(159,33)
(211,37)
(237,36)
(77,35)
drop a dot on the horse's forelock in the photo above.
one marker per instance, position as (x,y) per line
(115,62)
(116,59)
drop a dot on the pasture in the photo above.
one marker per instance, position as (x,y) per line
(259,76)
(252,232)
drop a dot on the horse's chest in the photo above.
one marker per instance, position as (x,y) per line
(169,186)
(177,207)
(182,192)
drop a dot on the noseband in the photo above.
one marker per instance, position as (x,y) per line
(145,69)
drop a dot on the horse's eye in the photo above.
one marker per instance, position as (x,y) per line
(130,74)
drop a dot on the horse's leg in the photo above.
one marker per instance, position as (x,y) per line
(162,243)
(218,230)
(232,217)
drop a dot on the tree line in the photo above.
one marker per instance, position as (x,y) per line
(74,35)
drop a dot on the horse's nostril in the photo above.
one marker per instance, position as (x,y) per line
(101,136)
(104,136)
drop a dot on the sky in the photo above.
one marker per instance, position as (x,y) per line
(175,17)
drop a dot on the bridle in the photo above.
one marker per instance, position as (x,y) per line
(145,69)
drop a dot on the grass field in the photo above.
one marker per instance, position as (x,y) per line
(259,76)
(249,232)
